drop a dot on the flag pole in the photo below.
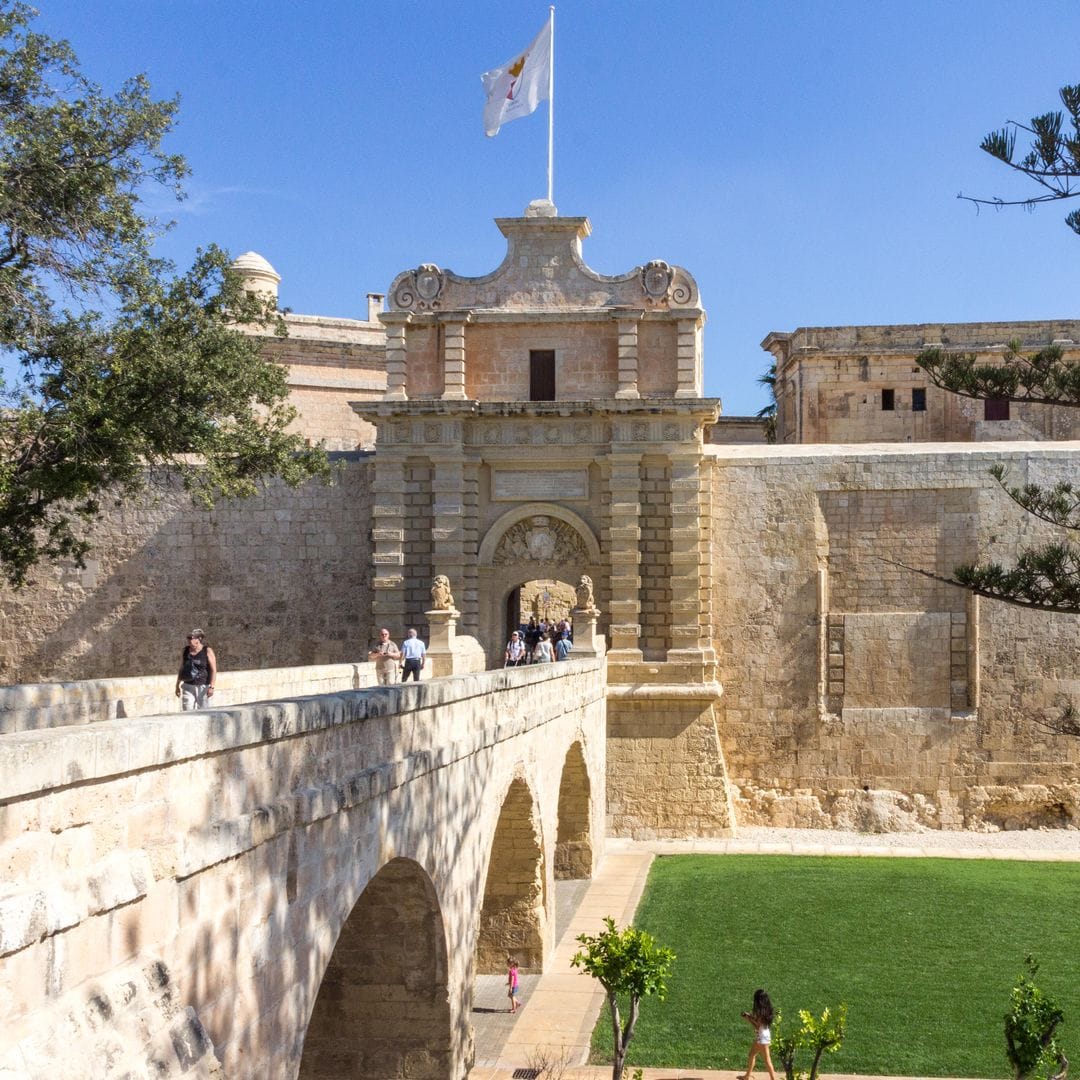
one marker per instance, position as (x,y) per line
(551,104)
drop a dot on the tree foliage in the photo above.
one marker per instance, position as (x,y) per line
(1046,577)
(1052,160)
(121,364)
(817,1035)
(767,415)
(1030,1026)
(629,963)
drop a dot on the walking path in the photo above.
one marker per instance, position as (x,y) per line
(561,1006)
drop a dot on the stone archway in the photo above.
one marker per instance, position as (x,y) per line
(573,841)
(530,542)
(383,1006)
(514,916)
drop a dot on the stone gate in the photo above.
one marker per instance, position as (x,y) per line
(547,421)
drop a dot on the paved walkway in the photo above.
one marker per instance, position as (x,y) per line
(560,1007)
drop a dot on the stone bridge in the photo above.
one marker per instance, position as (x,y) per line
(298,888)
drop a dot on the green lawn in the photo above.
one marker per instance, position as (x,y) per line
(924,952)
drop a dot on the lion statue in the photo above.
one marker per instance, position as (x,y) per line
(584,594)
(441,597)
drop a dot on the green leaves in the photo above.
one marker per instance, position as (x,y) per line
(817,1035)
(627,961)
(1044,377)
(124,365)
(1030,1023)
(1053,159)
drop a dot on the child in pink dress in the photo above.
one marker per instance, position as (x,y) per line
(512,983)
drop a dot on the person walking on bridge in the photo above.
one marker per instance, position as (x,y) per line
(413,655)
(198,672)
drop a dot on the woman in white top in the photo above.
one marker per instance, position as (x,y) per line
(542,654)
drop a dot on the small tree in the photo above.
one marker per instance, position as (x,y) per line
(819,1036)
(1030,1024)
(625,962)
(767,415)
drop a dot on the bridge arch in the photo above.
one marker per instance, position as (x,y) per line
(383,1005)
(573,838)
(513,918)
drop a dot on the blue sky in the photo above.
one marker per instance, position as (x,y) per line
(801,160)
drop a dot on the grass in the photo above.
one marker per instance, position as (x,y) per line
(924,952)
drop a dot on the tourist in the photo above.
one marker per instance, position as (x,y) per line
(532,636)
(512,983)
(413,655)
(198,672)
(760,1018)
(563,647)
(542,654)
(386,657)
(515,651)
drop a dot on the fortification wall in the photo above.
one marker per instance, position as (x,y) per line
(281,579)
(858,693)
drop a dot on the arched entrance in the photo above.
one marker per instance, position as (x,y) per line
(573,843)
(514,916)
(533,548)
(383,1006)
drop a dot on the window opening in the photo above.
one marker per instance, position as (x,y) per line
(888,400)
(541,374)
(996,409)
(918,399)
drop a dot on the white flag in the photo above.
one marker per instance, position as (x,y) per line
(516,88)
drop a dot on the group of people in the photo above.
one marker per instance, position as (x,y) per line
(539,642)
(389,660)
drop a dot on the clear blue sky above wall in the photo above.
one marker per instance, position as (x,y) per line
(801,159)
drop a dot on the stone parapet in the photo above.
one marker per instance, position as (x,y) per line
(33,706)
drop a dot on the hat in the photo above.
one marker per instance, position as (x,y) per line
(197,633)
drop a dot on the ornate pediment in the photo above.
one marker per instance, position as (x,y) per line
(541,539)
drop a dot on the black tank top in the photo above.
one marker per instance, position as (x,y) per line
(196,668)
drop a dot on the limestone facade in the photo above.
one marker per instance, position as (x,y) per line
(858,384)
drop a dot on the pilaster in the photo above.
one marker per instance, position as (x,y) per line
(628,355)
(690,571)
(454,360)
(388,541)
(448,512)
(688,359)
(624,540)
(395,358)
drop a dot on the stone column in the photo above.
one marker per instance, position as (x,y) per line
(388,539)
(628,356)
(624,544)
(448,513)
(395,359)
(442,630)
(454,361)
(688,359)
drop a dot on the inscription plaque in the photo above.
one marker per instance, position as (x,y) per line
(549,484)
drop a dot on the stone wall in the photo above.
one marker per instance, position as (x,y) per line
(281,579)
(858,693)
(178,892)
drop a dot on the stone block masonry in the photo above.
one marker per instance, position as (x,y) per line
(281,579)
(859,694)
